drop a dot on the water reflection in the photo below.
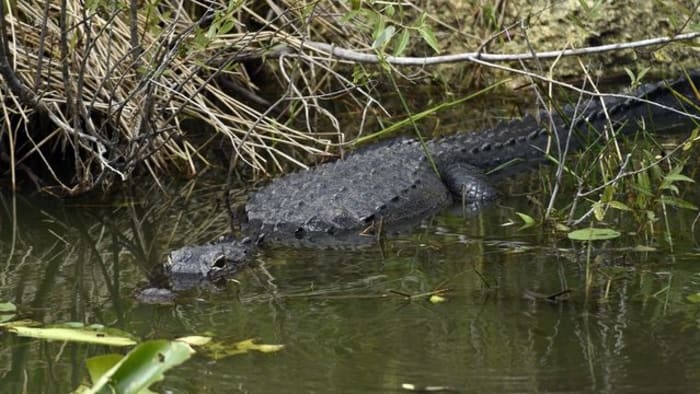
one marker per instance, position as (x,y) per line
(342,314)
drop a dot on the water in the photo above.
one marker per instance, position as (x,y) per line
(344,316)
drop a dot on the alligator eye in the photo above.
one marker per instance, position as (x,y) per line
(220,262)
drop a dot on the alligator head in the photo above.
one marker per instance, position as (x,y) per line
(190,265)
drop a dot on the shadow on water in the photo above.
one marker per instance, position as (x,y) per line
(344,316)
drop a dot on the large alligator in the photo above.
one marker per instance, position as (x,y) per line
(338,203)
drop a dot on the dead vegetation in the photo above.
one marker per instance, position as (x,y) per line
(110,94)
(97,91)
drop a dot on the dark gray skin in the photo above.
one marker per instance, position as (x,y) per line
(335,204)
(188,266)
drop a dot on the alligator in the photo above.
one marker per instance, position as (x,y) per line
(337,204)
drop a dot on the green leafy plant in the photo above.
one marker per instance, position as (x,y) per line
(141,367)
(136,371)
(386,21)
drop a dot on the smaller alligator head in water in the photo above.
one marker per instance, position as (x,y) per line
(190,265)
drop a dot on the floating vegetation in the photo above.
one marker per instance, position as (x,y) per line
(71,334)
(144,365)
(136,371)
(7,311)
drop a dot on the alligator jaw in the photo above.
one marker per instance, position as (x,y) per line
(189,266)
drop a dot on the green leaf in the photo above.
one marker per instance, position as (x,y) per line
(694,298)
(678,203)
(226,27)
(642,73)
(91,5)
(674,176)
(383,37)
(436,299)
(651,216)
(593,234)
(402,43)
(390,10)
(7,311)
(561,227)
(599,211)
(98,366)
(528,221)
(693,137)
(678,178)
(643,184)
(211,32)
(379,27)
(619,206)
(140,368)
(429,37)
(632,77)
(24,322)
(200,41)
(6,318)
(70,335)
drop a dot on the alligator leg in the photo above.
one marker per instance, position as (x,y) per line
(468,183)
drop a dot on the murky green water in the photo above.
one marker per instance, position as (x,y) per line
(343,315)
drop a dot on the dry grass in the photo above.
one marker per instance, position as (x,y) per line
(116,101)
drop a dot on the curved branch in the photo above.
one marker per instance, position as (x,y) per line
(361,57)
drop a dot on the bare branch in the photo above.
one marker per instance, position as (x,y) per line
(361,57)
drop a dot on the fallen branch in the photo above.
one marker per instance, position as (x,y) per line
(361,57)
(491,60)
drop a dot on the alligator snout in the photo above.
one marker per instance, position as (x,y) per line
(188,266)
